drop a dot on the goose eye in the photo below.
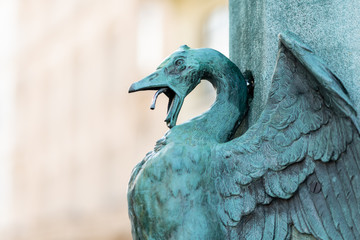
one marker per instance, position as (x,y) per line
(179,62)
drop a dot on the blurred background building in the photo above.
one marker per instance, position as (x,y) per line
(70,133)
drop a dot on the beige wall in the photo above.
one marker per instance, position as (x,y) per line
(78,133)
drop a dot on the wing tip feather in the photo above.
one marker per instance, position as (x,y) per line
(321,72)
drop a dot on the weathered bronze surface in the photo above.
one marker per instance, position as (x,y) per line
(296,169)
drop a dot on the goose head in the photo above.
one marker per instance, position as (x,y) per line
(176,77)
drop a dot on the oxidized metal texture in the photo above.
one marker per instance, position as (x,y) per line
(297,168)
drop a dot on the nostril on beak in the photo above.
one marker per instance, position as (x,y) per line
(152,76)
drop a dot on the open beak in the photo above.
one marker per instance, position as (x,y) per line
(158,82)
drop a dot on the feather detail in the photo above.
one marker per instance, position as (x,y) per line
(307,134)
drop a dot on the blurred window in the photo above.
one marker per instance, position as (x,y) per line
(7,81)
(150,36)
(216,30)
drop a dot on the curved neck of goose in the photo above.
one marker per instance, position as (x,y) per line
(230,105)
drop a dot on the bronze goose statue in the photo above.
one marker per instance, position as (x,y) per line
(297,167)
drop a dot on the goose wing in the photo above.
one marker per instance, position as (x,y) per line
(299,165)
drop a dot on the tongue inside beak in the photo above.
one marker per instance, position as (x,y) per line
(153,103)
(174,105)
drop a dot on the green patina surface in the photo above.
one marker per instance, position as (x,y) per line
(293,174)
(331,27)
